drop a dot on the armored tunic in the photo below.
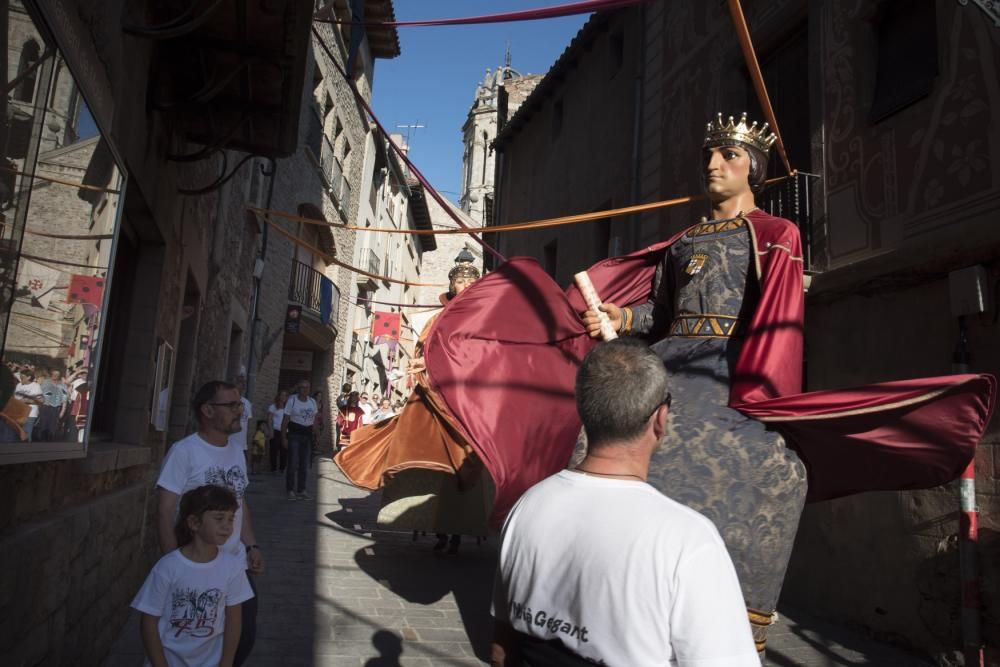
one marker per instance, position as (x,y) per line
(715,460)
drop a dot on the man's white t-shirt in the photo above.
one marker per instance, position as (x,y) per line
(191,599)
(27,392)
(301,411)
(368,410)
(192,462)
(240,439)
(622,574)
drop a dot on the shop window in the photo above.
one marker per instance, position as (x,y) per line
(59,221)
(27,71)
(786,72)
(907,55)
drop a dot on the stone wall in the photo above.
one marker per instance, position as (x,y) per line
(559,163)
(67,580)
(355,131)
(78,535)
(435,264)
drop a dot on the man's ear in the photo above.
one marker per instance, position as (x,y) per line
(660,418)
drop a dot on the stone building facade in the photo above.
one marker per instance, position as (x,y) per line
(324,180)
(893,107)
(395,200)
(545,152)
(78,517)
(497,97)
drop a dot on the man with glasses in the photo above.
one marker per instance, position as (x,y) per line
(596,565)
(209,457)
(240,438)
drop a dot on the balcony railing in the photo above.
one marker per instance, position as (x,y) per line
(305,287)
(792,199)
(340,188)
(325,160)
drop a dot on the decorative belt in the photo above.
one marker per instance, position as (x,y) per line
(715,326)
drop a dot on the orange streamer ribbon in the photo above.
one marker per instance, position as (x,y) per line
(743,34)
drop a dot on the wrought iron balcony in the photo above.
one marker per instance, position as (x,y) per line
(305,288)
(339,186)
(328,166)
(792,199)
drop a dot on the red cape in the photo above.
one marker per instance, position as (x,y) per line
(504,355)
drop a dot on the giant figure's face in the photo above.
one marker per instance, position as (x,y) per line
(726,172)
(460,283)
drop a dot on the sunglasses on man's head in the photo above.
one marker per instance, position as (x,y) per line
(666,401)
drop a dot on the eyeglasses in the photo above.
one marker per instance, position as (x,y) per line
(666,401)
(232,405)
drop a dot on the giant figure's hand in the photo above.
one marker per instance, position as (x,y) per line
(594,325)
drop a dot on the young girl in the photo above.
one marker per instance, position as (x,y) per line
(259,447)
(190,602)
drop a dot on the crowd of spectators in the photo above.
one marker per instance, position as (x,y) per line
(55,402)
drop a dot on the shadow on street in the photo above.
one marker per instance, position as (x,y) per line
(411,570)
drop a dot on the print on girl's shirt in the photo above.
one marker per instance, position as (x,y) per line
(193,613)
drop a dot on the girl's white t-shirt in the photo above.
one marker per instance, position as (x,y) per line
(277,415)
(190,599)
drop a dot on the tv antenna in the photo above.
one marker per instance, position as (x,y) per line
(410,128)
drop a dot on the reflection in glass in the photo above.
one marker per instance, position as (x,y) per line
(58,214)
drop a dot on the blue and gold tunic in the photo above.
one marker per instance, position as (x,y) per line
(716,460)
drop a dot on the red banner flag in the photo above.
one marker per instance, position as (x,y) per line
(86,289)
(385,327)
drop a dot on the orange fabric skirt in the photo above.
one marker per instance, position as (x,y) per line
(430,477)
(422,436)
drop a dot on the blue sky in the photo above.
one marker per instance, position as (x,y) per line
(434,79)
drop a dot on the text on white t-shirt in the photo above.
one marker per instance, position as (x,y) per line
(620,573)
(190,600)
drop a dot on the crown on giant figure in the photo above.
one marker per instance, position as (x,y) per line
(463,270)
(725,133)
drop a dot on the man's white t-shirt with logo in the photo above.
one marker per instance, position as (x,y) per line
(192,462)
(191,599)
(620,573)
(301,411)
(240,439)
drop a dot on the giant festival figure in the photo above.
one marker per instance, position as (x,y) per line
(706,290)
(431,478)
(722,303)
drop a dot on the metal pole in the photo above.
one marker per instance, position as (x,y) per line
(968,535)
(251,366)
(968,540)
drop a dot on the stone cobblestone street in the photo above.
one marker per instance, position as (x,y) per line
(339,592)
